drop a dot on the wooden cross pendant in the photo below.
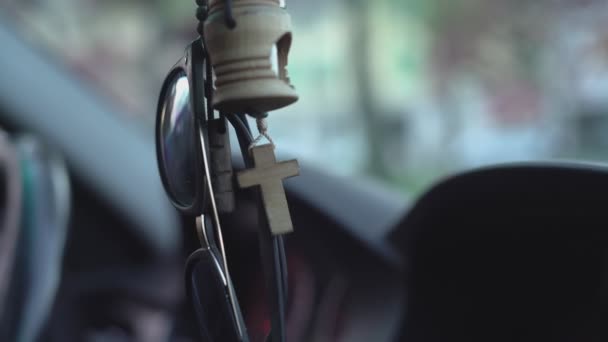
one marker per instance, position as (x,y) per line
(269,176)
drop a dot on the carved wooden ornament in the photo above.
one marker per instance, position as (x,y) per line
(250,59)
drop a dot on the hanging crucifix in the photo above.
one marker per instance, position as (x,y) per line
(269,176)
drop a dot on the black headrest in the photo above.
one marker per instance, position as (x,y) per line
(514,253)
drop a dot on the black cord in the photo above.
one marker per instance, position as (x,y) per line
(284,274)
(202,12)
(243,118)
(228,16)
(274,243)
(244,136)
(279,333)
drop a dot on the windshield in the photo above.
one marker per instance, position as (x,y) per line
(400,91)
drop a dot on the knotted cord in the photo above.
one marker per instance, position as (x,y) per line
(263,133)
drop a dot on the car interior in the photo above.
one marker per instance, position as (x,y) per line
(511,252)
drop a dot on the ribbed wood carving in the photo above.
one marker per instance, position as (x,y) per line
(250,60)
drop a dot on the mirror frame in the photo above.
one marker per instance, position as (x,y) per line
(192,65)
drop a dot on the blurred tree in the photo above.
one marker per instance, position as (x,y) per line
(369,110)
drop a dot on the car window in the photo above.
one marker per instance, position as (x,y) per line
(400,91)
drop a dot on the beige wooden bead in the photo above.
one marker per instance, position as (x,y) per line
(250,60)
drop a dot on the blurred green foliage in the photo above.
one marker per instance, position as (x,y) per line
(402,90)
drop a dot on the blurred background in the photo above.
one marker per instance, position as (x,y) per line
(403,92)
(397,93)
